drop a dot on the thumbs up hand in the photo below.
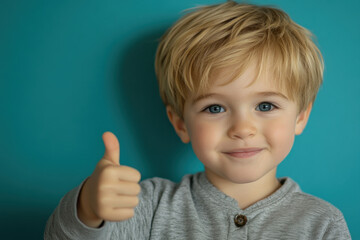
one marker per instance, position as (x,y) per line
(110,193)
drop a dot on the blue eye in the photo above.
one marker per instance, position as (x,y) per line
(215,109)
(265,107)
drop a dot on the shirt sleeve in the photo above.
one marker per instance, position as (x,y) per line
(337,229)
(65,224)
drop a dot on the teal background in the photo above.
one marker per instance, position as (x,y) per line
(71,70)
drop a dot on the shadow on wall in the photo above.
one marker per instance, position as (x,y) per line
(144,109)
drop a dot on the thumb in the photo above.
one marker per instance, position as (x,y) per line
(112,147)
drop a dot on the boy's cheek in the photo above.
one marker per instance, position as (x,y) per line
(203,136)
(280,136)
(199,132)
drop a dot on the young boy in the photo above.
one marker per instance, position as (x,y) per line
(238,82)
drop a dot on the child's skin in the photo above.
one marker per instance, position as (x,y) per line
(239,131)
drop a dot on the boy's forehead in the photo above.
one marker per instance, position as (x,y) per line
(249,77)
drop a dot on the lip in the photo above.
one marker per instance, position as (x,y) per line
(243,152)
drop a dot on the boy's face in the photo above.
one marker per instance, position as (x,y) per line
(240,132)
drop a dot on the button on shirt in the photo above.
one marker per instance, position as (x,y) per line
(240,220)
(195,209)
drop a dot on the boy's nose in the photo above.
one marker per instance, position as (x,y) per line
(242,127)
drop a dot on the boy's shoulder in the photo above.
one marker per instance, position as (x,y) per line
(155,190)
(162,184)
(297,200)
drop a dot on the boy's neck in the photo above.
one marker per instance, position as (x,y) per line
(249,193)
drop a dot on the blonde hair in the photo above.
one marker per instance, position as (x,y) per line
(234,35)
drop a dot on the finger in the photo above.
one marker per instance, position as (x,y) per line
(115,174)
(123,188)
(129,174)
(119,214)
(112,148)
(132,189)
(120,201)
(125,202)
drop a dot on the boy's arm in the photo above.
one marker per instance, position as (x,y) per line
(65,224)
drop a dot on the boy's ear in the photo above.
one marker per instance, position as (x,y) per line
(302,120)
(178,124)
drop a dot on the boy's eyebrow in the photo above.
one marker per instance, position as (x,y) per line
(270,94)
(263,94)
(203,96)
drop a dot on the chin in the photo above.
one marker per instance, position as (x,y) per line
(245,177)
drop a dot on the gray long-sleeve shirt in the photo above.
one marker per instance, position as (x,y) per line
(195,209)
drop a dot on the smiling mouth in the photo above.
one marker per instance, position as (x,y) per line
(244,153)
